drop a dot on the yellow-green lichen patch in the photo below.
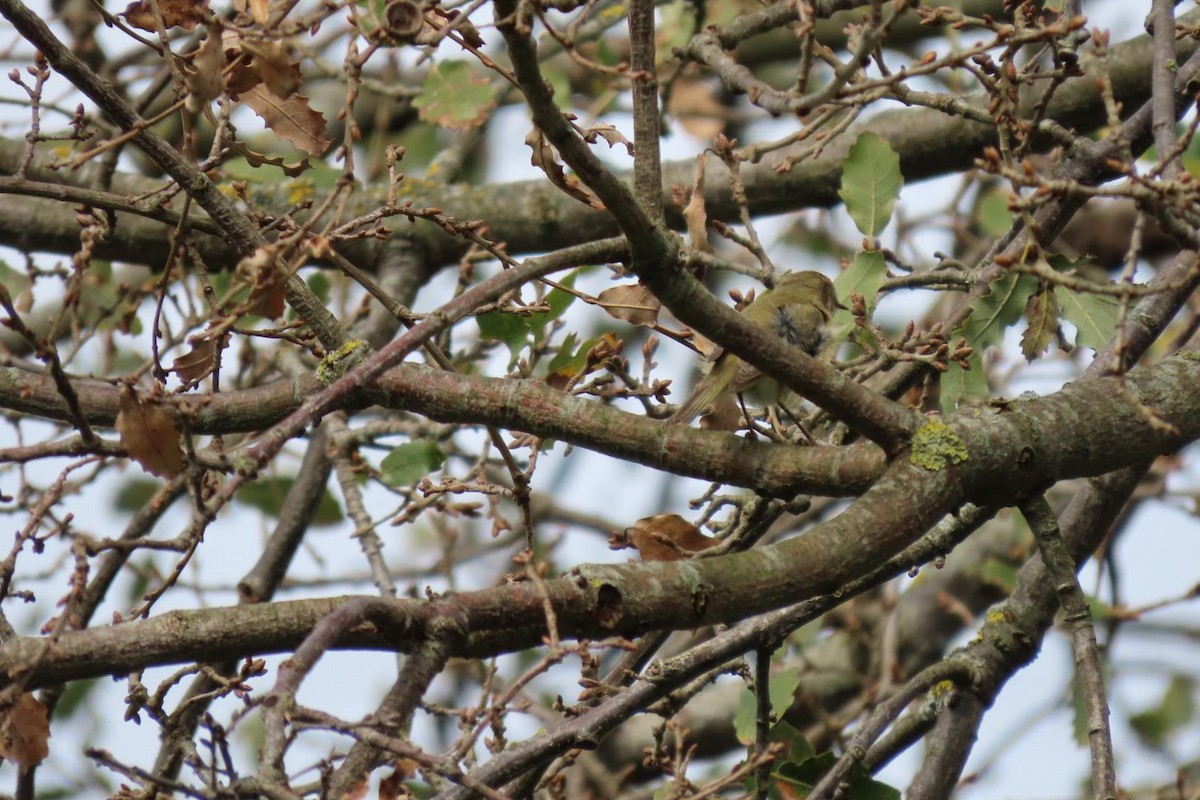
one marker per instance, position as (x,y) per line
(935,444)
(340,361)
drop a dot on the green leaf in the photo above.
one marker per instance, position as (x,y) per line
(745,721)
(456,95)
(871,182)
(864,787)
(267,495)
(569,361)
(958,383)
(1041,314)
(558,302)
(15,282)
(410,462)
(1093,315)
(992,214)
(76,694)
(1175,710)
(319,283)
(796,747)
(783,689)
(134,494)
(997,310)
(501,326)
(864,276)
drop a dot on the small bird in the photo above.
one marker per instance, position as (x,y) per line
(798,310)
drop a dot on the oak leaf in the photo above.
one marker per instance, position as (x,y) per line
(667,537)
(292,119)
(24,732)
(149,435)
(630,302)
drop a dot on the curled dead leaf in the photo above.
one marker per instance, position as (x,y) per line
(667,537)
(197,362)
(695,214)
(204,78)
(279,73)
(149,435)
(545,159)
(186,14)
(25,732)
(630,302)
(695,104)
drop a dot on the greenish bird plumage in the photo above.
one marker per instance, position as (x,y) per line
(798,310)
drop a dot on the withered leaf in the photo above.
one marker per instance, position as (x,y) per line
(256,160)
(668,537)
(439,19)
(695,214)
(609,134)
(1041,311)
(25,732)
(149,435)
(268,285)
(197,362)
(279,73)
(186,14)
(292,119)
(544,159)
(203,76)
(630,302)
(694,103)
(260,11)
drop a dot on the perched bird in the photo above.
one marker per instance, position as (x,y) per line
(798,310)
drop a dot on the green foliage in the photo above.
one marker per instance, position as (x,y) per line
(871,183)
(864,276)
(1093,315)
(570,360)
(75,695)
(992,214)
(1001,307)
(410,462)
(15,282)
(456,95)
(997,310)
(516,330)
(267,495)
(134,494)
(782,688)
(1177,708)
(958,383)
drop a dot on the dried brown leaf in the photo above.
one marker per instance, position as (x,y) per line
(258,159)
(694,103)
(609,134)
(25,732)
(186,14)
(268,284)
(438,19)
(695,214)
(668,537)
(1041,311)
(260,11)
(630,302)
(149,435)
(279,73)
(292,119)
(545,159)
(204,78)
(197,362)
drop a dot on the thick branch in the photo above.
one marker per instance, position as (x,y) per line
(1086,429)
